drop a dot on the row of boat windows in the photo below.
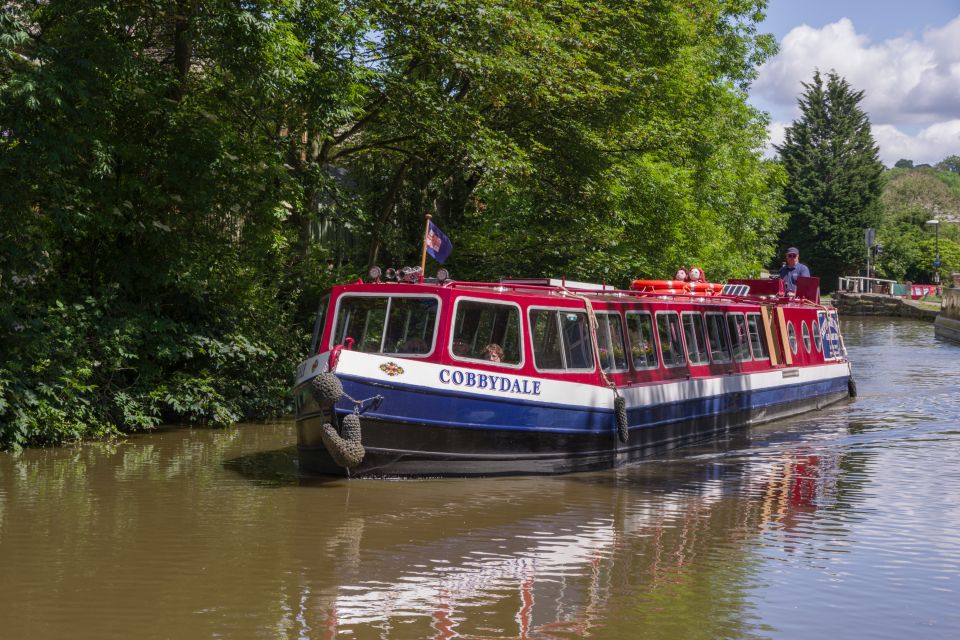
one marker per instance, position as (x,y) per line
(406,325)
(806,331)
(689,337)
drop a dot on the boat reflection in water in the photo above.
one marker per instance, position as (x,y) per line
(550,560)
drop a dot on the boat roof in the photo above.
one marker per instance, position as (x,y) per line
(540,287)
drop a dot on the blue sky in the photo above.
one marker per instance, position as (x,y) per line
(905,56)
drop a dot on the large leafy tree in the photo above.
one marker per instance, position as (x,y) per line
(596,139)
(834,178)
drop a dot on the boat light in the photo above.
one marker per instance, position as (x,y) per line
(375,273)
(410,274)
(390,273)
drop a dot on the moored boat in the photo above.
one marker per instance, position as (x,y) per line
(581,377)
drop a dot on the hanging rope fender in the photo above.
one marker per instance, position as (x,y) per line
(345,444)
(619,402)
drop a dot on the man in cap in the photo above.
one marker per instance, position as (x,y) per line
(792,270)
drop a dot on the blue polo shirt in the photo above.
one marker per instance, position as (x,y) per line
(789,276)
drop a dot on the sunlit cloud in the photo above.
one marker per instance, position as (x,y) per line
(911,84)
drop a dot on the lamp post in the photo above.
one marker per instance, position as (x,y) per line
(936,261)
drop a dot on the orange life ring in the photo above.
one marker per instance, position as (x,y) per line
(676,287)
(707,288)
(647,285)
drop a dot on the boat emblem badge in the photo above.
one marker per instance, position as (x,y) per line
(316,363)
(391,369)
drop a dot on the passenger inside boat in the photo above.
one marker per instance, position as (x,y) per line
(493,352)
(415,345)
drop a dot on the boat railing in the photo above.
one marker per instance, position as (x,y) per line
(859,284)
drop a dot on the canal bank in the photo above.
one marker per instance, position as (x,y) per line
(878,304)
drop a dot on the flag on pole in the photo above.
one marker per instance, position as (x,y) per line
(438,245)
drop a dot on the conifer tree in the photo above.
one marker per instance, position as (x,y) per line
(834,179)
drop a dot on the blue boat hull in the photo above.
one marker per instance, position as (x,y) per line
(429,432)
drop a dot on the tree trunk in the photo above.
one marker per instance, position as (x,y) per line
(183,43)
(386,210)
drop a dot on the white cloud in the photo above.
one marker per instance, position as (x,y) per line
(776,132)
(908,82)
(930,145)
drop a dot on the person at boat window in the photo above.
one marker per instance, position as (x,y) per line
(680,275)
(461,348)
(791,270)
(493,352)
(696,275)
(415,345)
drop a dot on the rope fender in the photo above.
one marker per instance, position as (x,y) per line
(619,403)
(623,428)
(347,450)
(345,445)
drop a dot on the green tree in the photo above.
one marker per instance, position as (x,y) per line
(950,163)
(903,163)
(600,140)
(834,178)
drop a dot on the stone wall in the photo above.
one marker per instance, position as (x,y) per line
(877,304)
(948,322)
(951,303)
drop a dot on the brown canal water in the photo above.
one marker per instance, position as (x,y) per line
(843,523)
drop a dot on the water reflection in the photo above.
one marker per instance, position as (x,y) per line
(842,520)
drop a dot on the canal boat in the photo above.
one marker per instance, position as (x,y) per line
(435,377)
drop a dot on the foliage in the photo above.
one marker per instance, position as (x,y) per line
(950,163)
(596,139)
(834,178)
(911,197)
(183,179)
(147,277)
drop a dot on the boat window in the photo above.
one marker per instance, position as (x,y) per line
(717,336)
(739,340)
(830,335)
(758,336)
(792,337)
(577,343)
(840,349)
(479,323)
(816,336)
(545,335)
(805,332)
(671,342)
(643,349)
(400,325)
(613,352)
(696,339)
(561,339)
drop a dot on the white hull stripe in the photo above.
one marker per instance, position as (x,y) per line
(427,377)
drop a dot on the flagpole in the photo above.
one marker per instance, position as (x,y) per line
(423,256)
